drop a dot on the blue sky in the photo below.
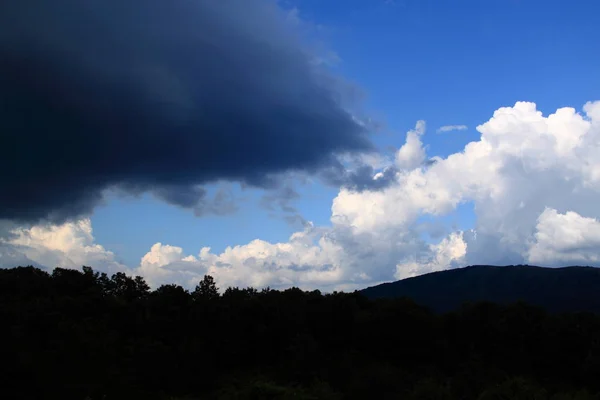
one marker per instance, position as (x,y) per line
(523,191)
(446,62)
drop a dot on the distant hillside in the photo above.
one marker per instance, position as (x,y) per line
(555,289)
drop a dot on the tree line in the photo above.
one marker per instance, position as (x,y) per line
(79,335)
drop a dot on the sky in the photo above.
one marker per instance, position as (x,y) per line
(328,144)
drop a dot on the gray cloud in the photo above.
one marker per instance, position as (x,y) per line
(157,96)
(196,198)
(280,200)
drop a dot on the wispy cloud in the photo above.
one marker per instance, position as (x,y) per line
(450,128)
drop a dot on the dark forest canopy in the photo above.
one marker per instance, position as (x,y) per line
(84,335)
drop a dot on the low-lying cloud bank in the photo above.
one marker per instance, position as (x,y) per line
(534,182)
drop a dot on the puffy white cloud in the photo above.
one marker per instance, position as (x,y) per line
(70,245)
(161,255)
(412,154)
(448,253)
(567,237)
(538,162)
(523,163)
(299,261)
(534,182)
(450,128)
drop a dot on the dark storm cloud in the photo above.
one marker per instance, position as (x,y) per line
(158,95)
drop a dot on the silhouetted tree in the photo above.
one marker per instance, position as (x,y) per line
(206,289)
(128,288)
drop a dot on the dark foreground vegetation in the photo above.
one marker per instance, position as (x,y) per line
(77,335)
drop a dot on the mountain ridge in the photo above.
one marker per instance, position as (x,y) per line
(564,289)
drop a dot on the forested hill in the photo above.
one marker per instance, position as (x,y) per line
(81,335)
(554,289)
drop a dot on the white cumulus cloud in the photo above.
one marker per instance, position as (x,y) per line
(567,237)
(448,253)
(412,153)
(70,245)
